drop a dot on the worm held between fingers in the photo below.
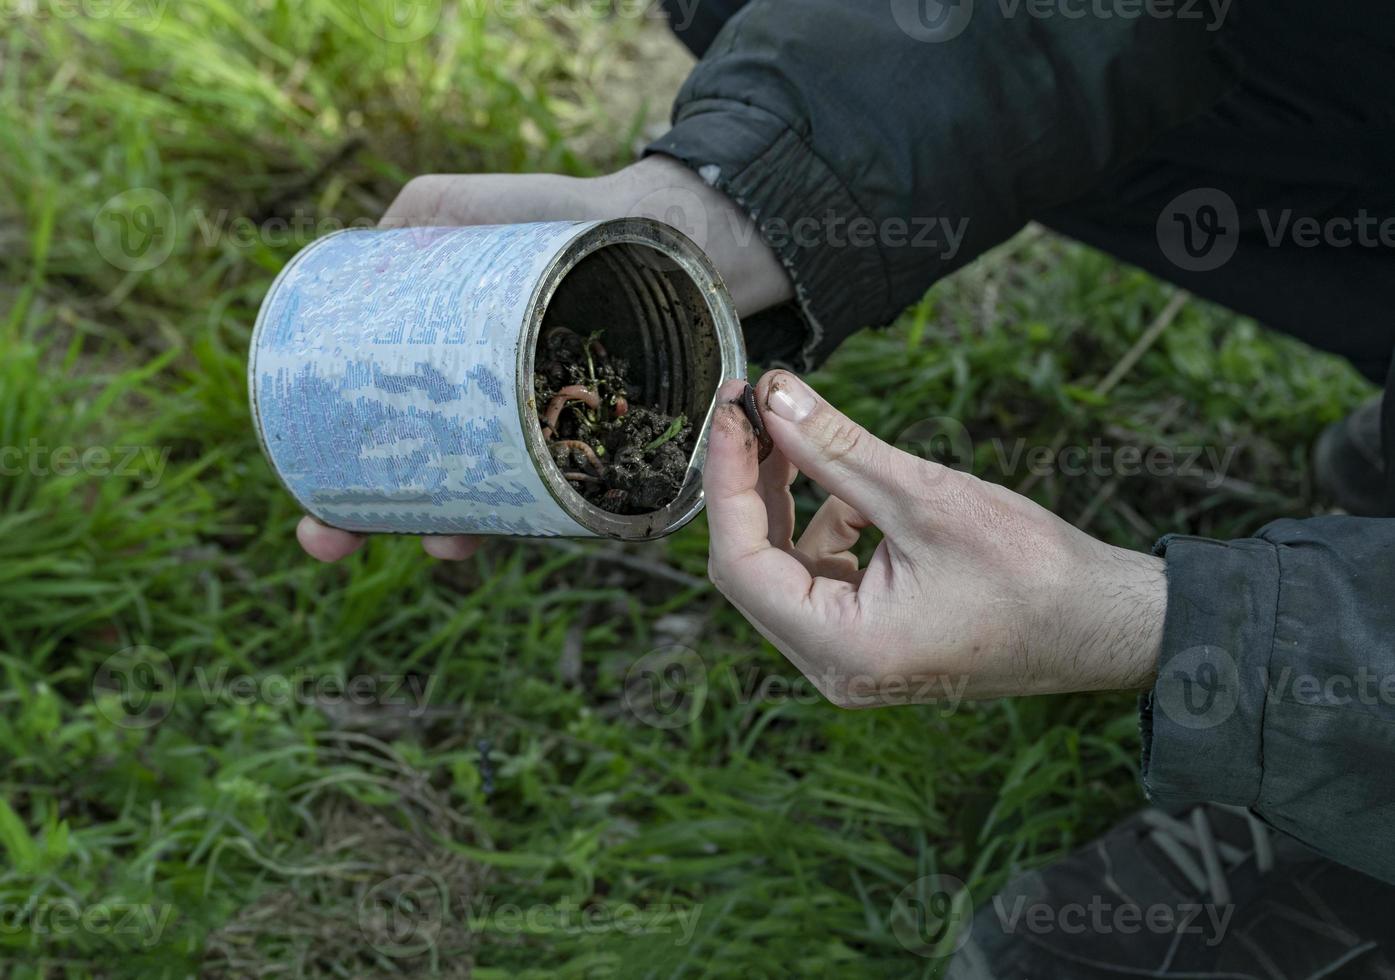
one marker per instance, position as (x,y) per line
(763,441)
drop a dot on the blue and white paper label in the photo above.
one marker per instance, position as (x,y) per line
(383,377)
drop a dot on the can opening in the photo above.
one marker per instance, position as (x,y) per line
(656,304)
(653,314)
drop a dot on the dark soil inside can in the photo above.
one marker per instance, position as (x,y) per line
(620,455)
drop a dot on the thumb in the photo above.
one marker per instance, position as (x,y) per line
(836,453)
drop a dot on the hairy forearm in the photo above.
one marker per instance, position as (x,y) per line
(1119,619)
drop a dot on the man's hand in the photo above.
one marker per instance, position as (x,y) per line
(973,588)
(656,187)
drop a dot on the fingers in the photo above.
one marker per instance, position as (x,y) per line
(773,485)
(840,455)
(450,547)
(324,542)
(489,199)
(769,584)
(829,538)
(331,543)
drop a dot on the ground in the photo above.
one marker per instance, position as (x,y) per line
(504,796)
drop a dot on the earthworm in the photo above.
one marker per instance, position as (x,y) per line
(559,330)
(578,393)
(622,405)
(585,450)
(594,344)
(763,440)
(577,477)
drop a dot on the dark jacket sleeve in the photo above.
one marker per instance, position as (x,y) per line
(879,149)
(1276,684)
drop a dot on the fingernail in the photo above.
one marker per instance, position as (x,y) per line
(792,401)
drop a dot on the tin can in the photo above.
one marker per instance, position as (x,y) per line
(391,370)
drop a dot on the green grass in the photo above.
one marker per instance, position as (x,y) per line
(258,834)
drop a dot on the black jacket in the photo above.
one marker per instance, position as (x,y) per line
(871,120)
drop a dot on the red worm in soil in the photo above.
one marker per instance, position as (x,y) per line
(571,393)
(585,450)
(622,405)
(576,477)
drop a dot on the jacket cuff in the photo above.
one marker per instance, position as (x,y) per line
(804,213)
(1202,722)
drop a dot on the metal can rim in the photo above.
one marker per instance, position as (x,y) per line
(679,248)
